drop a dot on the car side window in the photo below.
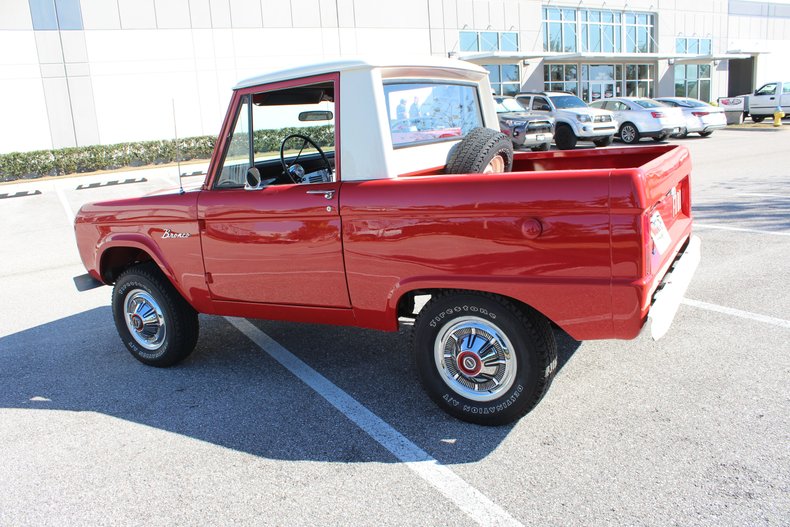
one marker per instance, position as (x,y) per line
(287,134)
(540,104)
(786,87)
(768,89)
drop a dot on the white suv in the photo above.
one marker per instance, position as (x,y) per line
(575,121)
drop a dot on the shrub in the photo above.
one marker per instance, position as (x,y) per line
(39,163)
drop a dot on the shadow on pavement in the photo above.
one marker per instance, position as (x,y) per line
(230,393)
(756,212)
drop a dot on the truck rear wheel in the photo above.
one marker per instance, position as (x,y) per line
(758,118)
(604,141)
(157,325)
(483,150)
(482,359)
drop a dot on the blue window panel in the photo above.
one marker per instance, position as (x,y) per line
(469,41)
(508,41)
(43,14)
(509,73)
(704,46)
(69,14)
(489,41)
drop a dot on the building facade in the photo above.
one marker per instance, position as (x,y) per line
(82,72)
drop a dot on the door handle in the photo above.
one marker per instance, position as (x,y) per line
(772,98)
(328,194)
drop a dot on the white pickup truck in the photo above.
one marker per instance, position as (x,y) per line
(762,103)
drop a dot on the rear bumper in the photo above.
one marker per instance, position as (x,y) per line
(672,288)
(523,136)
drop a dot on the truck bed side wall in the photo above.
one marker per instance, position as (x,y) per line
(472,232)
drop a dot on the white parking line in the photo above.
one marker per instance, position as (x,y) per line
(737,313)
(63,201)
(738,229)
(464,496)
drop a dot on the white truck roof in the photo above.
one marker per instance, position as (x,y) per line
(361,63)
(366,146)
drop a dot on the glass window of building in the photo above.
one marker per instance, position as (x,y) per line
(600,81)
(488,40)
(504,78)
(559,29)
(640,80)
(601,31)
(639,28)
(561,77)
(55,14)
(693,80)
(693,45)
(468,41)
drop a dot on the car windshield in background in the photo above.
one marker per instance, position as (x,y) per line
(690,103)
(564,102)
(649,103)
(508,105)
(428,112)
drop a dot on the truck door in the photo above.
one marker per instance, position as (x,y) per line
(765,99)
(279,242)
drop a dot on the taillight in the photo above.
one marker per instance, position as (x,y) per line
(657,115)
(699,114)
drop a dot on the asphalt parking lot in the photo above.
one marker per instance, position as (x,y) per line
(691,430)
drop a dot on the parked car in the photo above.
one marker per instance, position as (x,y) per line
(524,128)
(701,117)
(574,120)
(763,102)
(641,117)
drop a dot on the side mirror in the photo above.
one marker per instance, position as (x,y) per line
(253,179)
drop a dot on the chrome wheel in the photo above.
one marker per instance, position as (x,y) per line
(495,166)
(475,358)
(628,134)
(144,319)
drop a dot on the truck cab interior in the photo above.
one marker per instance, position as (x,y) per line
(281,137)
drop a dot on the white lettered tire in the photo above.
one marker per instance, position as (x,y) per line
(156,324)
(483,359)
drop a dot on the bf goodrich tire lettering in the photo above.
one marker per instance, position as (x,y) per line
(483,359)
(156,324)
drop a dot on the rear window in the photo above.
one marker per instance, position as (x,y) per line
(648,103)
(429,112)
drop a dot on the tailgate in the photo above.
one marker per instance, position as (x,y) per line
(666,217)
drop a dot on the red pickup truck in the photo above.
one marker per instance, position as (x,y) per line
(381,194)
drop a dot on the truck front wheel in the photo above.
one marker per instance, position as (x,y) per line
(156,324)
(564,137)
(481,358)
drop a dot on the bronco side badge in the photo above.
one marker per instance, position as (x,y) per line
(170,234)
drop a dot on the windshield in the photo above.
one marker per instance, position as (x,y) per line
(649,103)
(563,102)
(690,103)
(508,105)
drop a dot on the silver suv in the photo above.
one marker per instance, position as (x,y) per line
(575,121)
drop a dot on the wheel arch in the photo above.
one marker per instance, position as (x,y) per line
(405,299)
(119,254)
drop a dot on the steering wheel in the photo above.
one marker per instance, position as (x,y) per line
(288,168)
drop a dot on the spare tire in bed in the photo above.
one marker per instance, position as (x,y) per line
(478,153)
